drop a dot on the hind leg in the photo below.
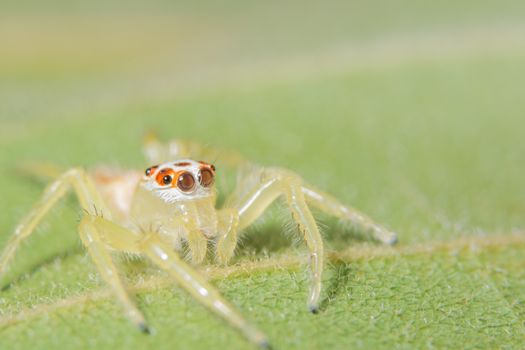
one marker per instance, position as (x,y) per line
(332,206)
(158,152)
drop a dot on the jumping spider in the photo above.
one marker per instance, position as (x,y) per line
(177,198)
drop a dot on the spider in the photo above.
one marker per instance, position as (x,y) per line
(151,213)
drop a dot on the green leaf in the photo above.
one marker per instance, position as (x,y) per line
(414,118)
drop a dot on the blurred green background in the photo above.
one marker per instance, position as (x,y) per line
(411,111)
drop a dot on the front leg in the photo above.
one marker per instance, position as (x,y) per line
(197,286)
(100,236)
(274,183)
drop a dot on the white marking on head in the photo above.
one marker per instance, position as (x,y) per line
(180,180)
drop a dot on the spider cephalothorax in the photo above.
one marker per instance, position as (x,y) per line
(181,180)
(177,198)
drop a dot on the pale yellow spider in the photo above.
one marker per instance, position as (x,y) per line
(151,213)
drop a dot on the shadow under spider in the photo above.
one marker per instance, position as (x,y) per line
(268,237)
(273,236)
(342,273)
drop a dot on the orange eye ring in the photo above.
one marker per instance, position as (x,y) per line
(186,182)
(206,177)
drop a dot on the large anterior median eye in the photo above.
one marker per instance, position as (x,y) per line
(186,182)
(206,177)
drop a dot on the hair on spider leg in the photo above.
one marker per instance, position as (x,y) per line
(321,224)
(146,229)
(349,231)
(155,228)
(185,251)
(290,229)
(82,213)
(240,250)
(129,256)
(266,234)
(96,212)
(338,231)
(85,212)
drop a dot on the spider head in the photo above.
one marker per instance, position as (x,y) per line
(180,180)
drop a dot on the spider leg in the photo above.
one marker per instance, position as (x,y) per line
(99,235)
(154,151)
(158,152)
(197,243)
(195,238)
(195,284)
(40,171)
(228,221)
(87,196)
(332,206)
(274,183)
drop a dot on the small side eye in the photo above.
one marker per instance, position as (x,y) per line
(206,177)
(186,182)
(167,179)
(151,170)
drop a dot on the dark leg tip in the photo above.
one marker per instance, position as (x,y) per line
(144,328)
(265,344)
(313,309)
(392,241)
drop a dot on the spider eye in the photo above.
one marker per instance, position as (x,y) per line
(186,182)
(206,177)
(167,179)
(151,170)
